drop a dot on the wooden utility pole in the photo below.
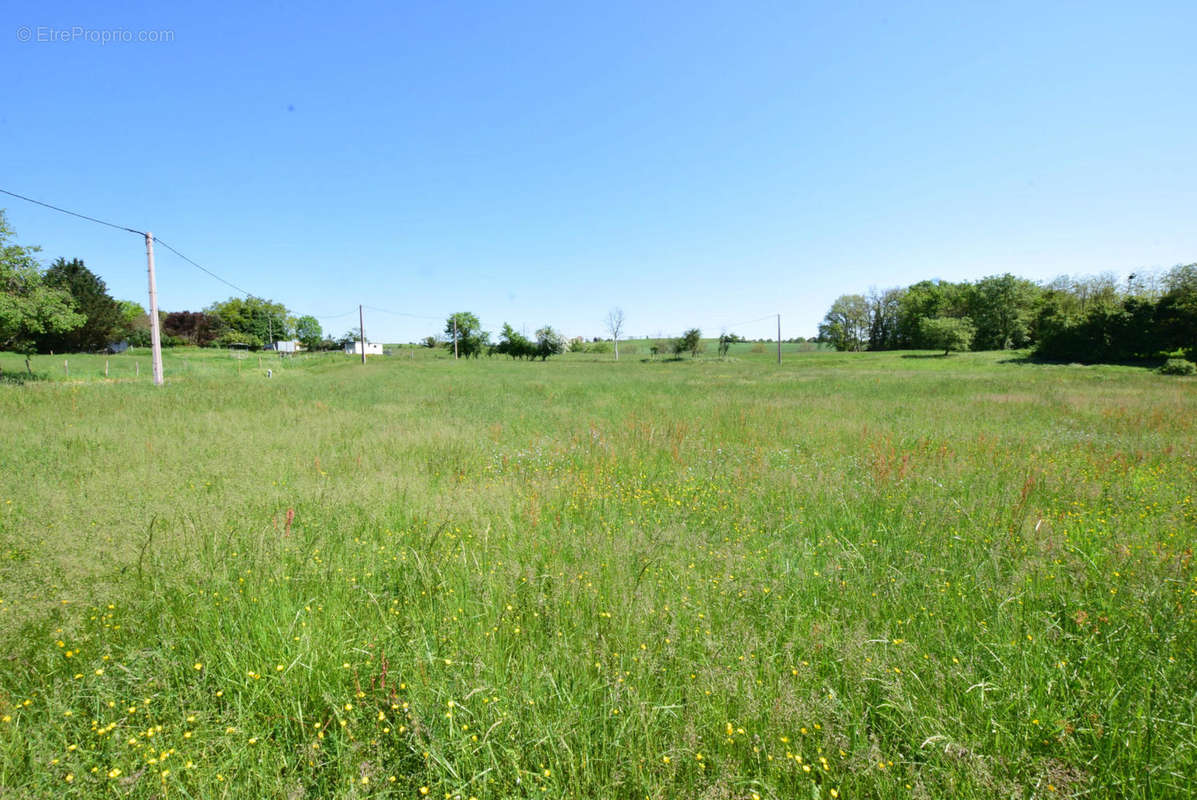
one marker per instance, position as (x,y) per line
(455,337)
(779,338)
(155,336)
(361,321)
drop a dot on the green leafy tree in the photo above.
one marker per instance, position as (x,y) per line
(309,332)
(29,307)
(846,325)
(464,332)
(1003,308)
(690,342)
(725,343)
(1177,310)
(265,320)
(134,321)
(102,314)
(949,333)
(884,308)
(515,344)
(919,301)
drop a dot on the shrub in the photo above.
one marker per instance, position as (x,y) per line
(236,338)
(1178,366)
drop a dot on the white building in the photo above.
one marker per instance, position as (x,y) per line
(285,347)
(355,348)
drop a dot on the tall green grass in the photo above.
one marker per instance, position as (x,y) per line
(856,575)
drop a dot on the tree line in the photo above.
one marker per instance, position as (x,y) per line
(66,308)
(463,337)
(1083,319)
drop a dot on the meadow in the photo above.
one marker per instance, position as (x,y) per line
(870,575)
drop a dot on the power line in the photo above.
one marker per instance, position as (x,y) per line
(749,321)
(333,316)
(130,230)
(402,313)
(212,274)
(72,213)
(202,268)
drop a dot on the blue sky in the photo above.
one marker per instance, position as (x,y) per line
(697,164)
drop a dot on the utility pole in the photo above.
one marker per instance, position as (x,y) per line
(361,321)
(779,338)
(454,337)
(155,336)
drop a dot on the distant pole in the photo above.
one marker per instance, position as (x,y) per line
(361,321)
(455,337)
(155,336)
(105,368)
(779,338)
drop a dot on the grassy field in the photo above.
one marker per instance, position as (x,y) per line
(851,576)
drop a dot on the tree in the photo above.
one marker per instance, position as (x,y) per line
(266,320)
(193,327)
(464,335)
(950,333)
(884,310)
(309,332)
(925,299)
(847,323)
(102,314)
(691,342)
(615,327)
(514,344)
(28,306)
(1002,307)
(1177,310)
(135,323)
(549,343)
(725,343)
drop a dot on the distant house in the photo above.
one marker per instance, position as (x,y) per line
(285,347)
(355,348)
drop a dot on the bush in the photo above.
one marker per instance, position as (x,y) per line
(235,338)
(1178,366)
